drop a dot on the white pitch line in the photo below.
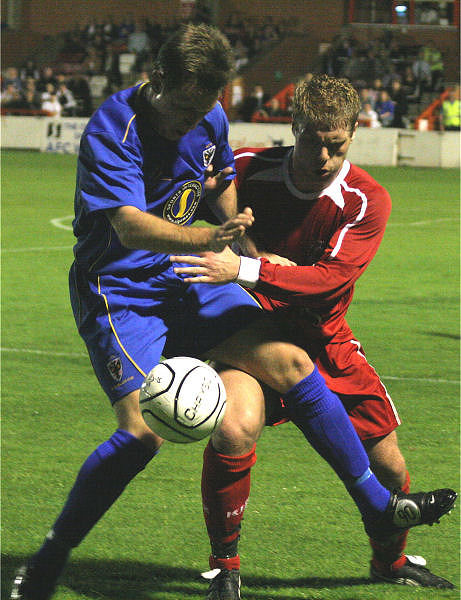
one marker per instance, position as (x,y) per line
(45,352)
(83,355)
(36,249)
(418,223)
(58,222)
(421,379)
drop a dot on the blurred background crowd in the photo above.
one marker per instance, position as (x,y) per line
(396,80)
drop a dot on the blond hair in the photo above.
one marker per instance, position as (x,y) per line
(325,103)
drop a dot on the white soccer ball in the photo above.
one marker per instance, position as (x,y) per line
(183,399)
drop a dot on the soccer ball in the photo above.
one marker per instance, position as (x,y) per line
(183,399)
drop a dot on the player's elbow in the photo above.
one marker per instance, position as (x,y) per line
(127,225)
(129,238)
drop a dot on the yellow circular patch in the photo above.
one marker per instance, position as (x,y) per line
(183,203)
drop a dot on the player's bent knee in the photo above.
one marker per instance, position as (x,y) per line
(290,364)
(236,437)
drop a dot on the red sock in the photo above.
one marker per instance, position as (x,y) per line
(388,554)
(225,492)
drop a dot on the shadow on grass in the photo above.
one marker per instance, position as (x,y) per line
(124,580)
(450,336)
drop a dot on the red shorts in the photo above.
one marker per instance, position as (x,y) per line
(348,374)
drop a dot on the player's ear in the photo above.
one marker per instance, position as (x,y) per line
(354,130)
(157,80)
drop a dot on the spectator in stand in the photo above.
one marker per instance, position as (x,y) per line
(10,97)
(112,69)
(254,102)
(240,54)
(385,108)
(410,85)
(66,98)
(372,64)
(12,78)
(368,117)
(90,31)
(100,45)
(422,71)
(93,63)
(50,90)
(433,57)
(138,43)
(396,54)
(273,110)
(30,97)
(29,70)
(391,76)
(428,14)
(367,97)
(383,64)
(47,77)
(399,97)
(52,106)
(342,51)
(356,68)
(374,91)
(82,94)
(110,30)
(450,113)
(126,27)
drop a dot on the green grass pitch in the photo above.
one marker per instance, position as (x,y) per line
(302,537)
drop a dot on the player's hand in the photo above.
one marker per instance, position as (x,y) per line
(275,259)
(231,230)
(208,267)
(214,181)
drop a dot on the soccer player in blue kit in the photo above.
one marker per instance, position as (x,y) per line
(142,167)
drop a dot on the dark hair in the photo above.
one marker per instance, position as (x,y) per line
(198,56)
(325,103)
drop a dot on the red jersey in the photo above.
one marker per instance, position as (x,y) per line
(332,236)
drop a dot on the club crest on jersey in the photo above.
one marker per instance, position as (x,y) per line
(183,203)
(114,366)
(208,154)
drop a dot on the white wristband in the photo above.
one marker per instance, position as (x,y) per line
(249,271)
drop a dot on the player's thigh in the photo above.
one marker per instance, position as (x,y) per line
(263,350)
(244,417)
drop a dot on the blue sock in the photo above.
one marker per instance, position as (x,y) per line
(322,418)
(102,478)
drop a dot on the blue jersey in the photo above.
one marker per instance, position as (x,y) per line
(123,162)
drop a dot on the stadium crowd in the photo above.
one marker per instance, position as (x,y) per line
(390,75)
(88,63)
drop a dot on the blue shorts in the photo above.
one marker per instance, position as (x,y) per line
(128,323)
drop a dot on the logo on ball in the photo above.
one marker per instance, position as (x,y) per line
(183,399)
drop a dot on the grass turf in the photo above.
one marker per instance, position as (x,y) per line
(302,537)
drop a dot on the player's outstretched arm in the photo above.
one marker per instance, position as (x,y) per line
(141,230)
(212,267)
(209,267)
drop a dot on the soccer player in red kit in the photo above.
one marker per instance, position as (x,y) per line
(319,221)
